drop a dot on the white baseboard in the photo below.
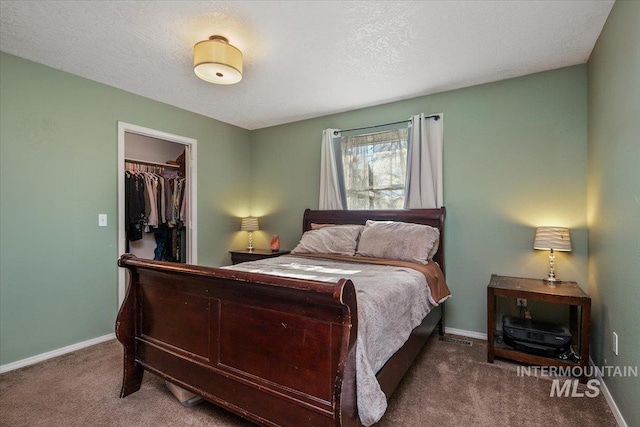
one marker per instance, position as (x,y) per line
(464,333)
(612,403)
(54,353)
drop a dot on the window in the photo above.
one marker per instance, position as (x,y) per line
(397,168)
(375,166)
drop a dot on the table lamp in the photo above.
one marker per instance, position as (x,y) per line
(552,239)
(249,224)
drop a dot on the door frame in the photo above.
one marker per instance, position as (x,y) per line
(191,193)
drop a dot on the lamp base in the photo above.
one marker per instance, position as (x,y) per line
(551,277)
(551,281)
(250,247)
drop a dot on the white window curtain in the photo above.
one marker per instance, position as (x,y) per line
(332,189)
(423,186)
(422,172)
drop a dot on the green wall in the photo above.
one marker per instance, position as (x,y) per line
(514,157)
(614,200)
(58,273)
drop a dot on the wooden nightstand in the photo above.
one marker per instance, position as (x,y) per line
(568,293)
(256,254)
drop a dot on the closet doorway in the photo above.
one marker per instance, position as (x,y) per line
(146,151)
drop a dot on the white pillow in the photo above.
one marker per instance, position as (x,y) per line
(339,240)
(399,240)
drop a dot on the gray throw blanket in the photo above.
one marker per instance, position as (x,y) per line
(392,301)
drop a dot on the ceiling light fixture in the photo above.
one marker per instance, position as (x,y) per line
(216,61)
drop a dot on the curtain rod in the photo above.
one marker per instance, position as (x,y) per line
(144,162)
(432,116)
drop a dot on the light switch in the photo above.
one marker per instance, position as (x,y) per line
(102,220)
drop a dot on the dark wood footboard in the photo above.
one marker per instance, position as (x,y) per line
(273,350)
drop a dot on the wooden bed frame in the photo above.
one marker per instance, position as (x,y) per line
(274,350)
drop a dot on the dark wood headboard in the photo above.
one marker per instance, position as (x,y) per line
(432,217)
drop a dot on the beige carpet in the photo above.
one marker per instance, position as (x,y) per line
(449,385)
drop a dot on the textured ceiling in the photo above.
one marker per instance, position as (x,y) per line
(303,59)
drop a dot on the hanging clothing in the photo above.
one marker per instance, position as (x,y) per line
(134,205)
(163,251)
(153,201)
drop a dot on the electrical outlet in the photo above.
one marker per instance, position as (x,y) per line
(615,343)
(521,302)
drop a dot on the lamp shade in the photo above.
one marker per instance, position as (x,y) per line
(249,224)
(216,61)
(556,238)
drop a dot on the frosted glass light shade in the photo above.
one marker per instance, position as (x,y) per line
(216,61)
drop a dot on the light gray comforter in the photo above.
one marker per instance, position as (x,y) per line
(392,301)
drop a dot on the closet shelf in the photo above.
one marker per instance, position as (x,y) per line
(145,162)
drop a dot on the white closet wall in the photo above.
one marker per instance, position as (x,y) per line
(150,149)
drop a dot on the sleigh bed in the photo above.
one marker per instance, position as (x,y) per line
(279,351)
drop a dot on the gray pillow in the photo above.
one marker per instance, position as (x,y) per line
(399,240)
(339,240)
